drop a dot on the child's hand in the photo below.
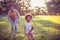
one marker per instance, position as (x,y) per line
(29,33)
(18,22)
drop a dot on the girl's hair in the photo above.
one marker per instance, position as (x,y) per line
(27,16)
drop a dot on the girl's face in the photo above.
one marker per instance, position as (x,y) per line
(28,19)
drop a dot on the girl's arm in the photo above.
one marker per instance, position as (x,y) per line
(24,30)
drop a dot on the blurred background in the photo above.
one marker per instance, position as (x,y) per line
(36,7)
(46,19)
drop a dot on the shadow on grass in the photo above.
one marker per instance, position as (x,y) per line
(5,34)
(5,30)
(44,35)
(46,23)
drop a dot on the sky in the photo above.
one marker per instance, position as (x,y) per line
(39,3)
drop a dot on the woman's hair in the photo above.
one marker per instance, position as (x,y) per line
(27,16)
(11,5)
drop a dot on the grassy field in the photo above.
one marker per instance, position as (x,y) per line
(46,28)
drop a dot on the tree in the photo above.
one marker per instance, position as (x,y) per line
(53,6)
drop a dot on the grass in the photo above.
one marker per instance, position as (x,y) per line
(46,28)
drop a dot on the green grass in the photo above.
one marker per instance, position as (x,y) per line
(46,28)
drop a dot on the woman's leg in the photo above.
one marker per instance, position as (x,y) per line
(13,28)
(16,26)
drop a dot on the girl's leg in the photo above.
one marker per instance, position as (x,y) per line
(31,35)
(28,36)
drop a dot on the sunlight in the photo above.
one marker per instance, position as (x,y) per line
(2,22)
(37,3)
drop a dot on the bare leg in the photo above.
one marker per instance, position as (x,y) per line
(32,38)
(29,37)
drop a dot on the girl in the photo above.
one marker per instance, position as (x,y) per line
(29,27)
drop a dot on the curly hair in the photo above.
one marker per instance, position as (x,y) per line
(27,16)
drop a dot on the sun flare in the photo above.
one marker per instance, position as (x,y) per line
(37,3)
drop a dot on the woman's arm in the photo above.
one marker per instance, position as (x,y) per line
(8,15)
(18,15)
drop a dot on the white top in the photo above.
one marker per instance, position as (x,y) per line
(28,26)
